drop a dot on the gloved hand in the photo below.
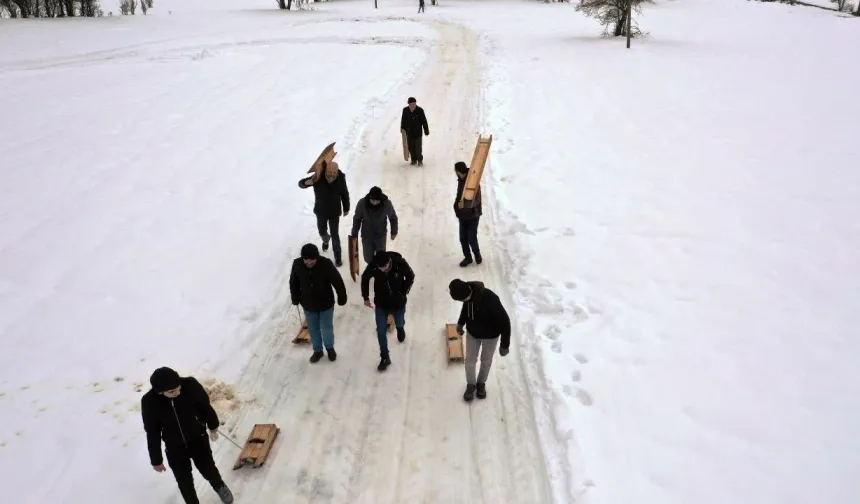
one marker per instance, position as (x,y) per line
(460,330)
(341,301)
(295,302)
(504,351)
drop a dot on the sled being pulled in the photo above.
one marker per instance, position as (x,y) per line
(476,171)
(326,155)
(258,445)
(454,343)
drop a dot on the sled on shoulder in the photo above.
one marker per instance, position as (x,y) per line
(405,145)
(326,155)
(454,343)
(352,247)
(476,171)
(258,445)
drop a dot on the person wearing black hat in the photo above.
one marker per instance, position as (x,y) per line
(177,410)
(413,122)
(485,320)
(392,279)
(469,214)
(330,195)
(311,281)
(372,215)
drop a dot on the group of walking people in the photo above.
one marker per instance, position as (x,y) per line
(177,409)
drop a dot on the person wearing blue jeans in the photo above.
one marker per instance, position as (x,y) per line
(312,279)
(392,279)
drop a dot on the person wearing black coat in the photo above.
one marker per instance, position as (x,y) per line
(413,122)
(392,279)
(331,195)
(177,410)
(469,215)
(311,281)
(485,321)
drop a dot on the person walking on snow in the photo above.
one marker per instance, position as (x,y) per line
(420,6)
(392,279)
(177,410)
(372,214)
(413,121)
(311,281)
(330,194)
(469,214)
(485,320)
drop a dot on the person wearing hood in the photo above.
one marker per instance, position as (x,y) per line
(413,122)
(311,281)
(330,196)
(485,321)
(392,279)
(372,214)
(469,214)
(177,410)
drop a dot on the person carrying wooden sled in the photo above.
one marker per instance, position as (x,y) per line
(178,411)
(392,279)
(311,281)
(469,217)
(485,320)
(372,215)
(330,194)
(413,122)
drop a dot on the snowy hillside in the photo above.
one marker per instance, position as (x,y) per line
(671,227)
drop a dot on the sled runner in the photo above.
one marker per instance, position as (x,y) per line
(353,257)
(476,171)
(304,334)
(258,445)
(405,145)
(327,154)
(454,343)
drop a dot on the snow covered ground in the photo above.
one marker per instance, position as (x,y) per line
(671,225)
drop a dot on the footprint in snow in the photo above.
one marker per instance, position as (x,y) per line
(570,285)
(552,332)
(576,375)
(580,358)
(584,397)
(556,346)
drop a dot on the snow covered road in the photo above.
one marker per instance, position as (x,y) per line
(352,435)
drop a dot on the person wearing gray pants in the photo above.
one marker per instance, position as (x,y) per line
(372,215)
(485,321)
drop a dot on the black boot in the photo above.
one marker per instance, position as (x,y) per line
(401,334)
(383,363)
(482,391)
(316,357)
(338,262)
(469,394)
(225,494)
(325,245)
(478,259)
(332,355)
(465,262)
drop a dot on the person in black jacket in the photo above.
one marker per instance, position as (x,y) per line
(413,122)
(177,410)
(330,195)
(392,279)
(311,280)
(485,320)
(469,214)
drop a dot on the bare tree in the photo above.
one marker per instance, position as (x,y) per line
(612,14)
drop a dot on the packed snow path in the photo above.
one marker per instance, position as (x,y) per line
(352,435)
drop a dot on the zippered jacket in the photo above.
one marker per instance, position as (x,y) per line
(178,421)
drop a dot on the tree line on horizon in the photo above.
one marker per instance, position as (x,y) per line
(24,9)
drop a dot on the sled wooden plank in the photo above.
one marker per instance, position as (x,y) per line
(327,154)
(303,336)
(405,145)
(353,257)
(258,445)
(476,170)
(454,343)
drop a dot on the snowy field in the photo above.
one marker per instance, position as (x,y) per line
(672,226)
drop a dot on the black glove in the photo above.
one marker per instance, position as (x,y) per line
(295,302)
(341,301)
(503,351)
(460,330)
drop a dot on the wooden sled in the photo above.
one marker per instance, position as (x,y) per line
(258,445)
(304,334)
(405,145)
(353,257)
(454,342)
(476,171)
(326,155)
